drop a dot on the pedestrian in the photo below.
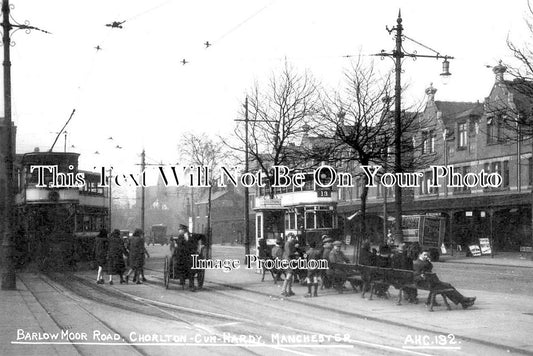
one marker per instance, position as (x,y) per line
(100,254)
(327,246)
(289,251)
(136,256)
(313,254)
(277,254)
(115,257)
(365,258)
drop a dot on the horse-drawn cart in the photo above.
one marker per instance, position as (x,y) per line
(178,266)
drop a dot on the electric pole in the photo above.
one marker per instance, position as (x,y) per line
(246,168)
(110,199)
(8,275)
(143,166)
(398,54)
(246,191)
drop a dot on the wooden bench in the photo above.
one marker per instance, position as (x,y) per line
(402,279)
(371,276)
(353,273)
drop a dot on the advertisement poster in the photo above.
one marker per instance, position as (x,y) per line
(485,247)
(266,177)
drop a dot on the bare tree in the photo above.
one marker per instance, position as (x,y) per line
(278,114)
(201,150)
(358,128)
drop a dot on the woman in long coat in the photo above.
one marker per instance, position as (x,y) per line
(115,256)
(136,254)
(100,254)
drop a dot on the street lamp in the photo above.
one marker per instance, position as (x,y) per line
(398,54)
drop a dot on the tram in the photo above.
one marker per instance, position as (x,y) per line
(56,224)
(309,212)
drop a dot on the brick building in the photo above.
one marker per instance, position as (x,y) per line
(471,137)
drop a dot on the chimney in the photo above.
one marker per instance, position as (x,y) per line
(498,72)
(430,92)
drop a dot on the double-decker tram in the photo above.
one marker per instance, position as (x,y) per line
(308,211)
(59,210)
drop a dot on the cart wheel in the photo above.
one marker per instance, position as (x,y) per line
(200,277)
(166,273)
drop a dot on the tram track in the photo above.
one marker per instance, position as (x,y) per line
(164,310)
(289,314)
(366,317)
(242,323)
(78,347)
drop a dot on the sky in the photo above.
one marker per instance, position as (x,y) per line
(136,91)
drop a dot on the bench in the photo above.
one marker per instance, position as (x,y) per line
(353,273)
(371,276)
(402,279)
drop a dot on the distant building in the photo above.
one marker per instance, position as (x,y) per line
(167,205)
(227,216)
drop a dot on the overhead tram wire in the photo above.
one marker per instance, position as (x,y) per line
(234,28)
(209,43)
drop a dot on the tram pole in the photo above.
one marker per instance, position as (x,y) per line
(8,274)
(143,166)
(246,192)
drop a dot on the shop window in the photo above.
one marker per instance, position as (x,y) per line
(505,175)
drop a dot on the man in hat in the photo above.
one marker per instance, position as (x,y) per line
(425,277)
(337,276)
(327,246)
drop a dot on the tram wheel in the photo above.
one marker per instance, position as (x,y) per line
(166,273)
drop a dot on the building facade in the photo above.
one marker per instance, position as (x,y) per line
(471,139)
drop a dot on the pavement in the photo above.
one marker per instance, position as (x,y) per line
(502,320)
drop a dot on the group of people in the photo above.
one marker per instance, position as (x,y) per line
(291,249)
(401,257)
(114,256)
(416,259)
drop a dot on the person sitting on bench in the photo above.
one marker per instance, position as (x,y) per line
(425,278)
(338,276)
(401,260)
